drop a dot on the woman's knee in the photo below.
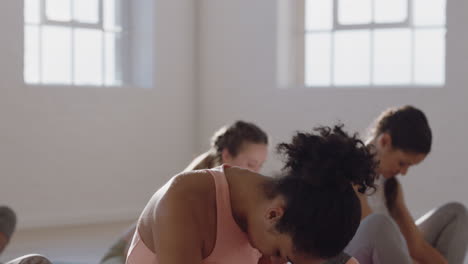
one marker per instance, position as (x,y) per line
(455,208)
(7,213)
(7,220)
(378,235)
(379,227)
(378,222)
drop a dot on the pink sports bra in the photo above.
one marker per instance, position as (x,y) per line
(232,245)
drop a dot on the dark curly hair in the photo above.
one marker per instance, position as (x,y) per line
(408,127)
(323,211)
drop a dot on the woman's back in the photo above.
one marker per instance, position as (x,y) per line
(197,191)
(198,205)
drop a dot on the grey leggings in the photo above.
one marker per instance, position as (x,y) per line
(379,241)
(446,229)
(7,221)
(7,226)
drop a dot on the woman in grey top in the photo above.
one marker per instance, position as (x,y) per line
(402,138)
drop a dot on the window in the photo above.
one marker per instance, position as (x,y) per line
(373,42)
(74,42)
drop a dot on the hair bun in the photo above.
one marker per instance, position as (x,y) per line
(329,158)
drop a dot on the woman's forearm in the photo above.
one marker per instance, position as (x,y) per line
(428,255)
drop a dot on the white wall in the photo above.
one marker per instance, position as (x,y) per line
(74,155)
(237,79)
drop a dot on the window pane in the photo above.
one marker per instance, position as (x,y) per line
(392,56)
(31,11)
(112,59)
(318,59)
(86,11)
(351,59)
(390,11)
(429,12)
(319,14)
(112,11)
(429,56)
(58,10)
(31,54)
(56,55)
(354,12)
(88,56)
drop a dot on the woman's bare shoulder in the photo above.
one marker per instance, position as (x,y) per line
(187,191)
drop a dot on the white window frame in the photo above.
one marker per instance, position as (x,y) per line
(73,24)
(299,44)
(404,24)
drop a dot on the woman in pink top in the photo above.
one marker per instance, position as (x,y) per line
(242,144)
(232,215)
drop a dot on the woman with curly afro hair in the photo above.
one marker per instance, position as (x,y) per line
(307,214)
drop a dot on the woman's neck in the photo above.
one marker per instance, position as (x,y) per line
(247,194)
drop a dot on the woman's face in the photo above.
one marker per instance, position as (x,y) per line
(393,161)
(276,247)
(251,156)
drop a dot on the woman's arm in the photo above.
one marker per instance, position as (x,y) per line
(419,249)
(365,207)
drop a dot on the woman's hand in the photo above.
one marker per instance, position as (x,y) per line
(393,194)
